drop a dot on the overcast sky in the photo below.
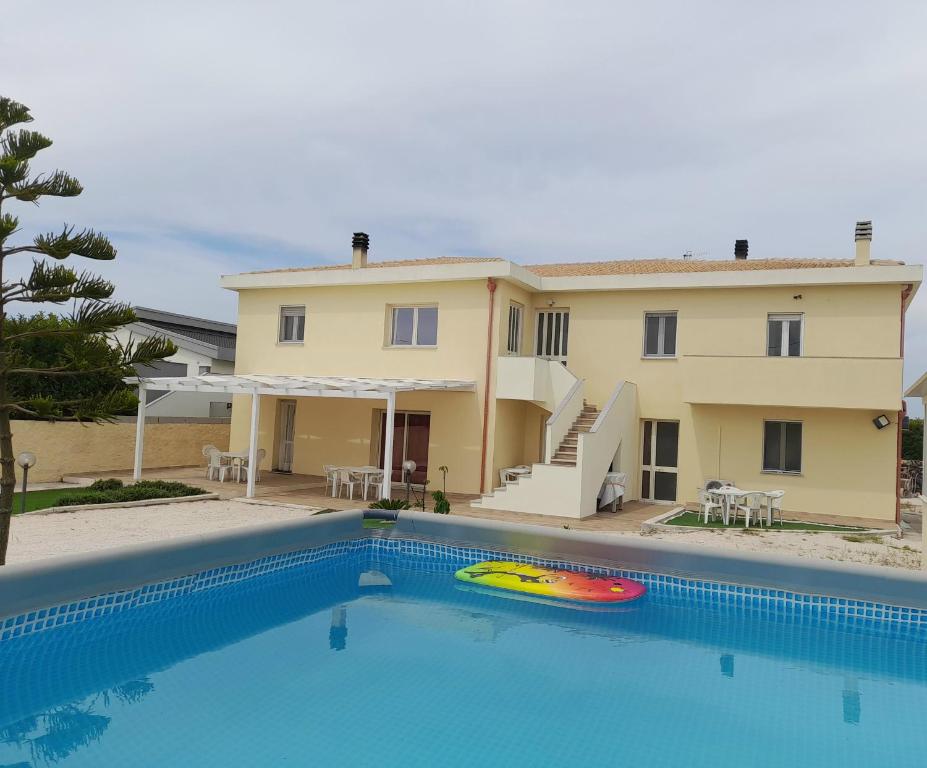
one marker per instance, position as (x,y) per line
(215,137)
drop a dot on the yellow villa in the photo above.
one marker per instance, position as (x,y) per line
(770,373)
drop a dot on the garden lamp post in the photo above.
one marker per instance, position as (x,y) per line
(408,467)
(26,460)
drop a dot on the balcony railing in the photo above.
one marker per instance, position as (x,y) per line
(804,382)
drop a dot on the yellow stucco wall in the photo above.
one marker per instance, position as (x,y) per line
(346,336)
(848,466)
(65,448)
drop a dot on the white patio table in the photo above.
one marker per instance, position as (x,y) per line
(728,493)
(364,471)
(235,459)
(511,474)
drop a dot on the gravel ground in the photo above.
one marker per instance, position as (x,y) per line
(34,537)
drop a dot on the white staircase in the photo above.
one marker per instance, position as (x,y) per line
(587,441)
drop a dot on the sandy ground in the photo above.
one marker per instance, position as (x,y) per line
(40,536)
(33,537)
(888,550)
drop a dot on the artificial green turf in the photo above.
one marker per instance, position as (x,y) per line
(693,520)
(39,499)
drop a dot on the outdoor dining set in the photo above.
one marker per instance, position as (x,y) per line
(727,501)
(343,479)
(220,464)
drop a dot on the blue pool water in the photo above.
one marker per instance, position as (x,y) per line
(303,667)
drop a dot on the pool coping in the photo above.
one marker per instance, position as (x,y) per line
(29,586)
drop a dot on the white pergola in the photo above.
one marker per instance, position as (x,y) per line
(256,385)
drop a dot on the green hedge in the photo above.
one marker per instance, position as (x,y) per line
(113,491)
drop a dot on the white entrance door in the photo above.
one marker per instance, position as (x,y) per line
(660,459)
(286,427)
(553,333)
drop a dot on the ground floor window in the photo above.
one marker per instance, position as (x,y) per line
(782,446)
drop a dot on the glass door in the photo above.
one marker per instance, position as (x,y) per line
(286,425)
(660,458)
(553,334)
(410,441)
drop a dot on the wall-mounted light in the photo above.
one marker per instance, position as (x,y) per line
(797,296)
(551,302)
(881,422)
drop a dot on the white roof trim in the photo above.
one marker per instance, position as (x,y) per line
(918,388)
(299,386)
(507,270)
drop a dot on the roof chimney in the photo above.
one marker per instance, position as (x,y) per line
(740,249)
(863,243)
(359,243)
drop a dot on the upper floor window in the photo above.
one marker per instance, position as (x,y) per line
(414,327)
(292,324)
(782,446)
(783,335)
(513,343)
(660,334)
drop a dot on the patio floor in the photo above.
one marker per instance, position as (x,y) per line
(309,491)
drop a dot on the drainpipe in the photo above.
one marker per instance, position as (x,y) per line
(491,287)
(905,293)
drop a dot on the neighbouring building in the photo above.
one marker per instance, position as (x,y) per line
(203,346)
(771,373)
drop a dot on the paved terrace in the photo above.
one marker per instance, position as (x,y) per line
(309,491)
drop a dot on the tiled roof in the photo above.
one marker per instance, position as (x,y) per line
(660,266)
(599,268)
(438,260)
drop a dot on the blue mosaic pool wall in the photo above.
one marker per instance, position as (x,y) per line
(435,556)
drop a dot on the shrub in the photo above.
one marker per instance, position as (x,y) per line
(111,484)
(442,505)
(389,504)
(140,491)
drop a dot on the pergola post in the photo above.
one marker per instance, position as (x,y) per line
(253,442)
(388,445)
(140,432)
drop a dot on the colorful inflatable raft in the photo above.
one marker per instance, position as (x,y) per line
(551,582)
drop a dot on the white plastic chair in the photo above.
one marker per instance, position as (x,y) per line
(774,505)
(331,477)
(708,504)
(751,504)
(244,468)
(372,479)
(346,479)
(214,464)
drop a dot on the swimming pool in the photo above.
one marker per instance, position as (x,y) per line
(311,658)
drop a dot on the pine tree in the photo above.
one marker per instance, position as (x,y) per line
(30,380)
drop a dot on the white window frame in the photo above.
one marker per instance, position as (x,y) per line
(515,328)
(784,319)
(661,335)
(782,448)
(391,340)
(291,310)
(544,319)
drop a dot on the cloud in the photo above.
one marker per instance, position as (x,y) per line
(214,136)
